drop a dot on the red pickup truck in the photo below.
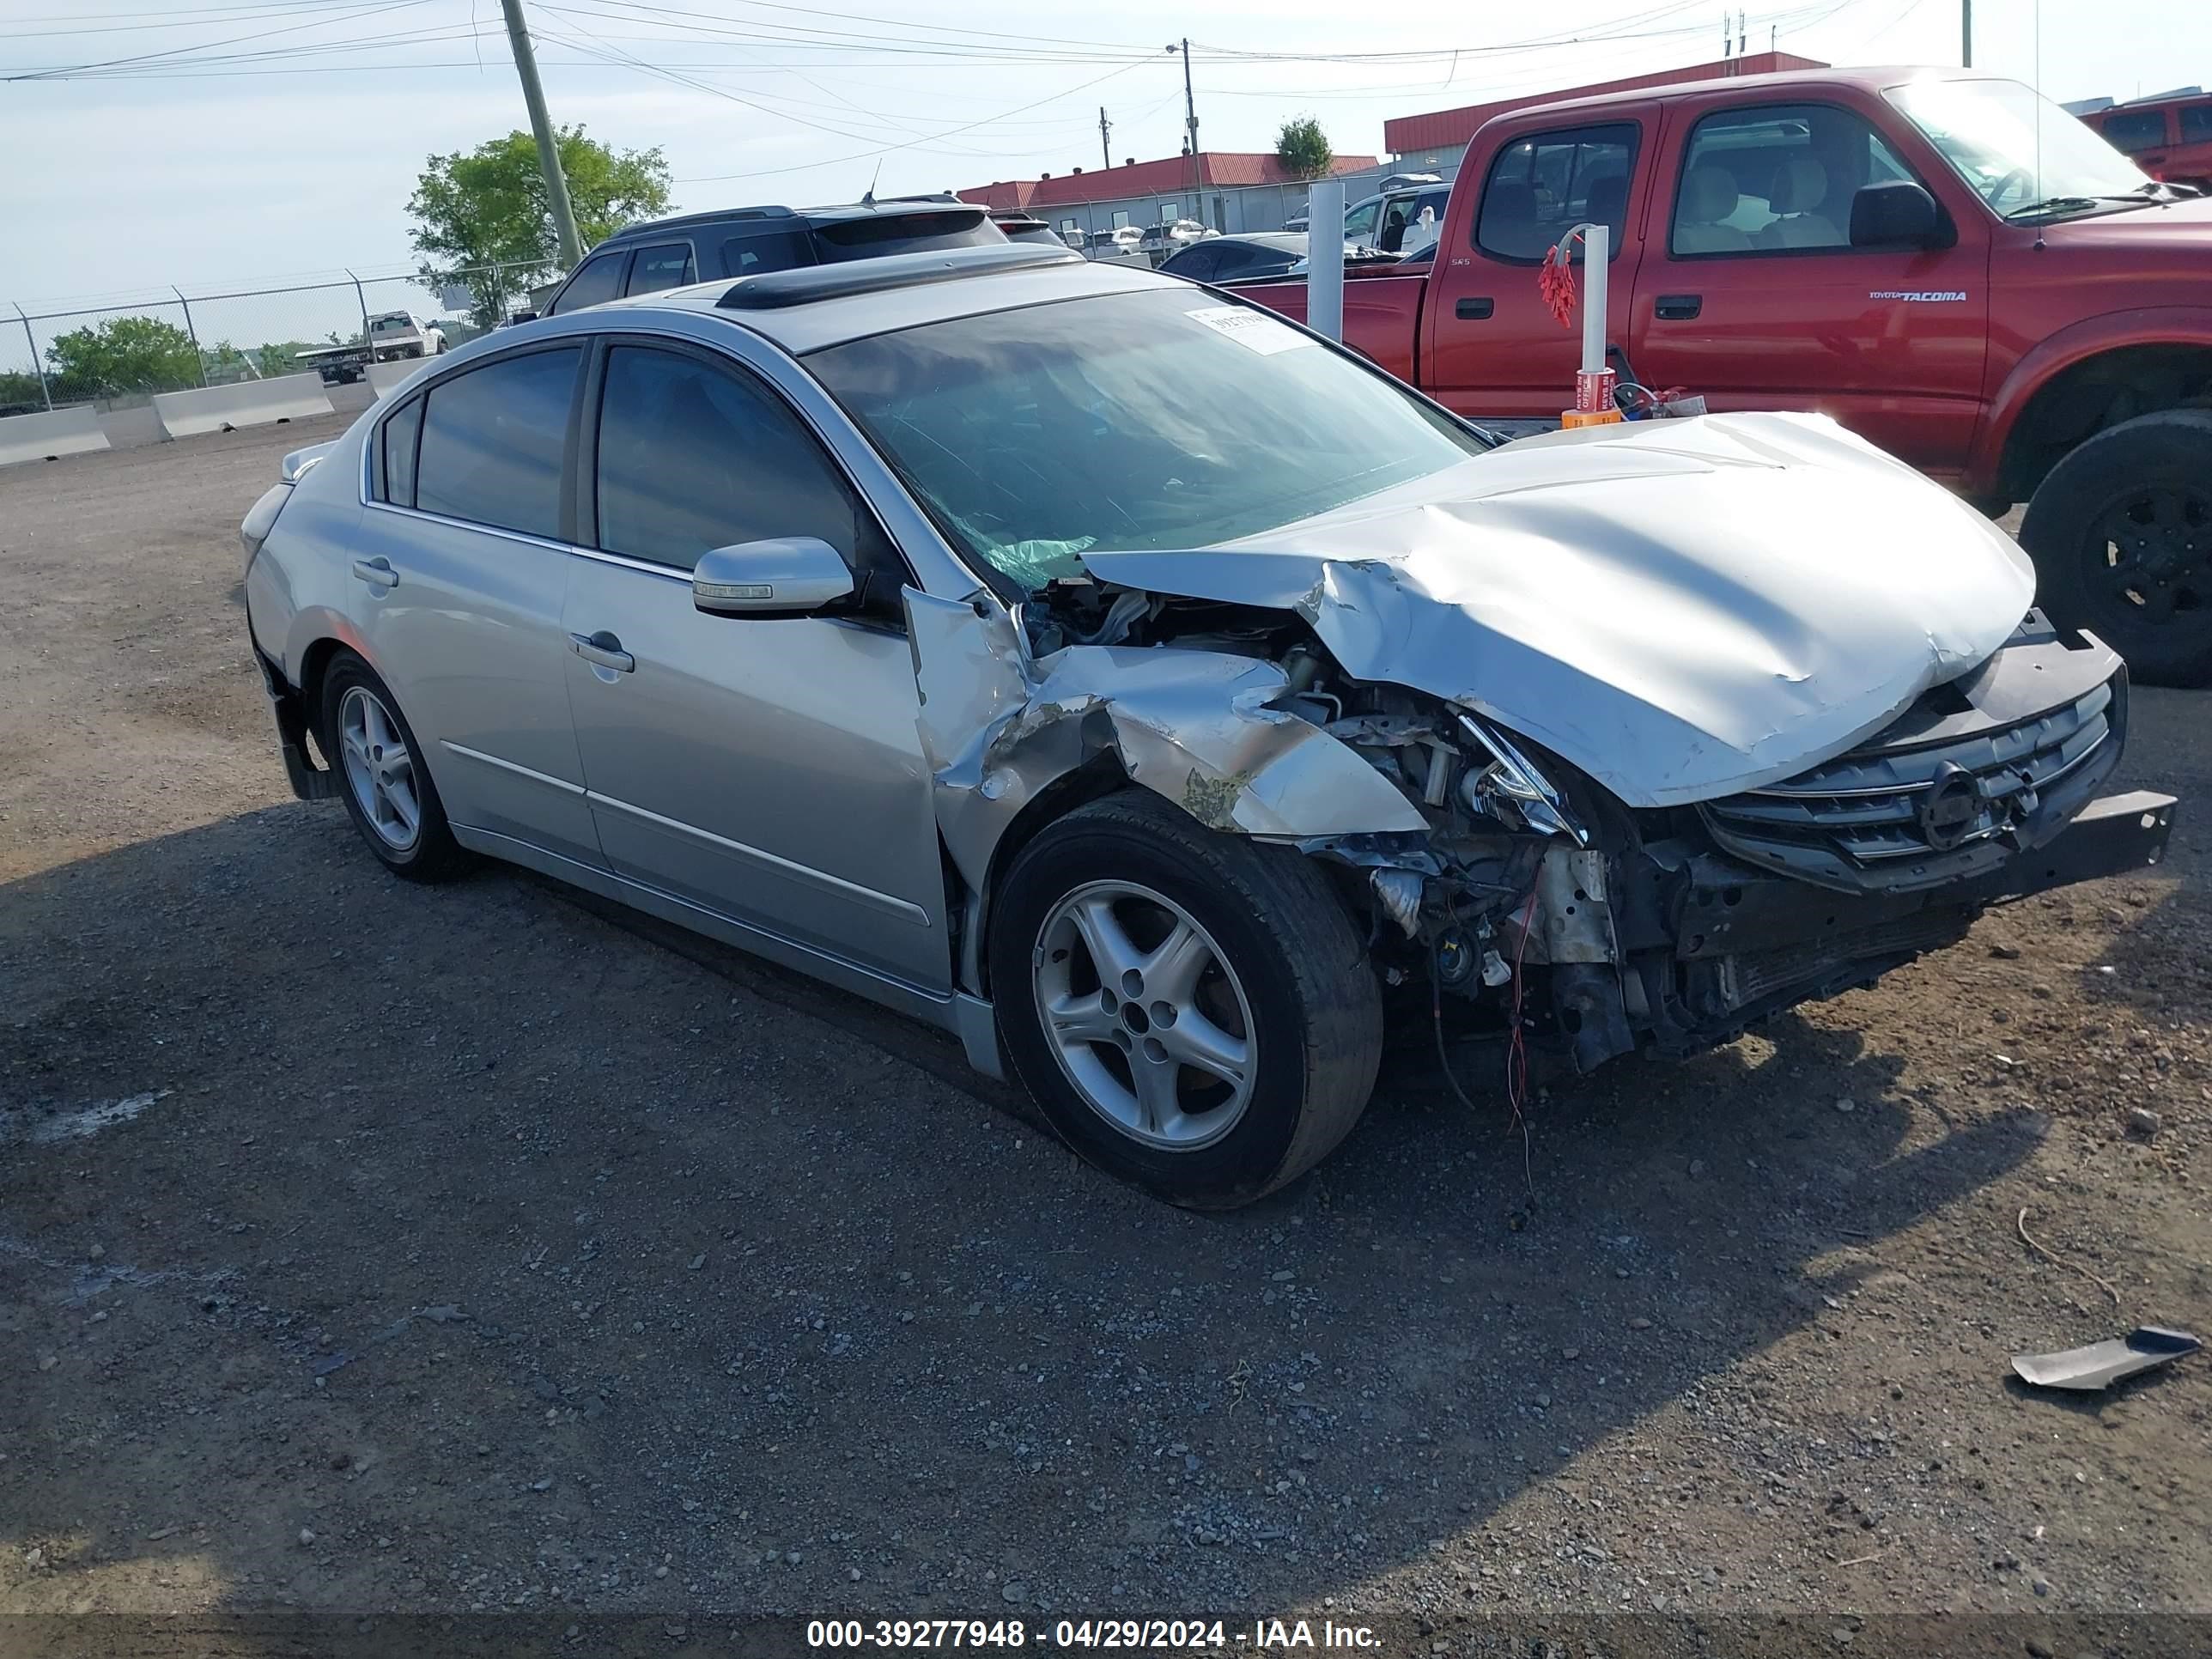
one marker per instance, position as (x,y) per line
(1944,262)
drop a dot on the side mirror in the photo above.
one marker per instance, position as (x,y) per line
(784,576)
(1896,213)
(522,317)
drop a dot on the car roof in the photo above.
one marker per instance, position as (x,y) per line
(1806,82)
(839,213)
(1264,238)
(816,306)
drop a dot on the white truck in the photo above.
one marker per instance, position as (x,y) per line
(392,335)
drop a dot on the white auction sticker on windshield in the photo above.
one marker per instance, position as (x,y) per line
(1256,331)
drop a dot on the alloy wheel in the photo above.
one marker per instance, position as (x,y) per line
(379,768)
(1145,1014)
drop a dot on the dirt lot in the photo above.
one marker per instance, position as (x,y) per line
(367,1248)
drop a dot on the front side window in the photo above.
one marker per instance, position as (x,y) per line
(595,280)
(692,456)
(1775,178)
(668,266)
(1159,419)
(2021,154)
(1360,220)
(1542,186)
(2135,131)
(2195,123)
(493,441)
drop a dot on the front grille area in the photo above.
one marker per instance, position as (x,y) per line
(1895,817)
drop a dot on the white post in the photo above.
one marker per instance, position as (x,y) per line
(1595,252)
(1325,258)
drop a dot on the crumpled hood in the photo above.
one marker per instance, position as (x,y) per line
(1681,609)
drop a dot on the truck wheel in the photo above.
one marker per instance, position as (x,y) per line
(1193,1013)
(2121,534)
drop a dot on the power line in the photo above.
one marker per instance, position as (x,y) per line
(258,34)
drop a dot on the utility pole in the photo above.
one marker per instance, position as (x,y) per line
(1966,34)
(1190,108)
(549,151)
(1105,146)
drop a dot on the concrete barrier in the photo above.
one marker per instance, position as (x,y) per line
(42,437)
(133,429)
(382,377)
(249,403)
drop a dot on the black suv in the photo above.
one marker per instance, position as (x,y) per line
(704,247)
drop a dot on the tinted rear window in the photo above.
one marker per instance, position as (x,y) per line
(2143,129)
(905,232)
(492,440)
(768,249)
(2196,123)
(666,264)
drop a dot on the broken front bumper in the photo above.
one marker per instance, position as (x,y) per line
(1747,944)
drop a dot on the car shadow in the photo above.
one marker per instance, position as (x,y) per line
(465,1248)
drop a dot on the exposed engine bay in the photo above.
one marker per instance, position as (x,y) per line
(1515,892)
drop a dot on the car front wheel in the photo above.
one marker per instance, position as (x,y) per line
(1193,1011)
(2121,534)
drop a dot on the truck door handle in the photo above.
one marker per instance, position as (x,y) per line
(603,649)
(376,572)
(1677,307)
(1473,311)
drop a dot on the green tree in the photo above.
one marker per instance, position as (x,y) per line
(15,388)
(1303,148)
(122,354)
(489,207)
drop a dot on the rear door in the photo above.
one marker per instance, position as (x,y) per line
(1751,294)
(459,581)
(769,770)
(1494,349)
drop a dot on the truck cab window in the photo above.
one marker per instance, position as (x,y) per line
(1542,186)
(1774,178)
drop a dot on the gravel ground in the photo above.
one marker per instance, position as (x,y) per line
(371,1249)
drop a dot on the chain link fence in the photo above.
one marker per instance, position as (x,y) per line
(118,356)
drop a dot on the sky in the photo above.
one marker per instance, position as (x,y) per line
(217,144)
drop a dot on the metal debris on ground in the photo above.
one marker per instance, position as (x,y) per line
(2103,1364)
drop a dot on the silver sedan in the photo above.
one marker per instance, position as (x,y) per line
(1153,694)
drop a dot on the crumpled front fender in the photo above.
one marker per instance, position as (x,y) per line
(1196,727)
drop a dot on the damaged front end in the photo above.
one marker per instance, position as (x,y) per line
(1493,875)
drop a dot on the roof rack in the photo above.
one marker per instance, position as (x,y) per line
(805,284)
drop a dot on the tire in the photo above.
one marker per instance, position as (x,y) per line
(1281,959)
(2121,534)
(422,851)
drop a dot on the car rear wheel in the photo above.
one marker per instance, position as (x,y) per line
(2121,534)
(382,778)
(1193,1013)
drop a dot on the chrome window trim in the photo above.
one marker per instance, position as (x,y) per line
(936,567)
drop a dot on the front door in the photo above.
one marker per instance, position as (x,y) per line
(1751,295)
(1494,351)
(460,580)
(766,769)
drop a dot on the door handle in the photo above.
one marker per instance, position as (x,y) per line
(1473,311)
(1677,307)
(376,572)
(603,649)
